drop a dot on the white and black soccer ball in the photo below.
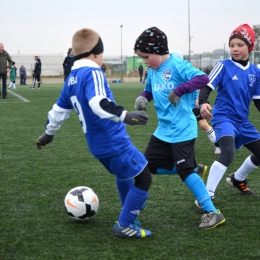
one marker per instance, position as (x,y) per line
(81,203)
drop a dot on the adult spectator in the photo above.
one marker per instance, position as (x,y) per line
(4,58)
(141,71)
(68,63)
(22,72)
(37,72)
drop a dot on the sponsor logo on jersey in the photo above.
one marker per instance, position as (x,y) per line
(166,75)
(235,77)
(72,81)
(163,87)
(252,79)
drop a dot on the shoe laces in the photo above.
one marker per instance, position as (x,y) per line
(206,217)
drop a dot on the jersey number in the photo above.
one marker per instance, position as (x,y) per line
(79,111)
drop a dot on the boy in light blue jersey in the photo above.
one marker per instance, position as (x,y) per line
(86,90)
(172,84)
(238,83)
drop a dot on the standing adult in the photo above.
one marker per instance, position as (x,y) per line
(4,58)
(68,63)
(141,71)
(37,72)
(22,72)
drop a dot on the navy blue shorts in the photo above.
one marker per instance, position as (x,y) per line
(243,133)
(127,164)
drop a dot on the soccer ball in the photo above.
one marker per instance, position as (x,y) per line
(81,203)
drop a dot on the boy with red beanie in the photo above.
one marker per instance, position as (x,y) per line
(238,83)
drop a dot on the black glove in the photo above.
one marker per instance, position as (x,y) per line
(136,118)
(43,140)
(173,98)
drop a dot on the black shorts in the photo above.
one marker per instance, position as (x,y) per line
(163,155)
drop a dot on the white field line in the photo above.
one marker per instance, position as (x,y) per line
(23,99)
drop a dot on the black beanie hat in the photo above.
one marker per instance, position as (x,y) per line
(152,40)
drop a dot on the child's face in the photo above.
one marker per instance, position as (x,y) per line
(238,49)
(154,61)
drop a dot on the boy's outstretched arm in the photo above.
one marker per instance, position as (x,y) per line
(108,109)
(56,117)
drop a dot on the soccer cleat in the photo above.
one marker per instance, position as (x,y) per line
(132,231)
(211,220)
(240,185)
(217,150)
(199,206)
(202,171)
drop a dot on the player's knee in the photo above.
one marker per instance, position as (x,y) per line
(184,173)
(143,181)
(227,156)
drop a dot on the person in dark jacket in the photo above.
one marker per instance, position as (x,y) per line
(4,58)
(68,63)
(141,71)
(37,72)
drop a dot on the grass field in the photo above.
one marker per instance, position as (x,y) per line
(33,221)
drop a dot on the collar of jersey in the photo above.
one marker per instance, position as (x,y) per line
(84,63)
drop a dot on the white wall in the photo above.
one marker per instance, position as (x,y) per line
(51,63)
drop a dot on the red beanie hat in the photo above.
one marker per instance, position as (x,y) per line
(246,34)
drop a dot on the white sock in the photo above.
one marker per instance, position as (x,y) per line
(211,135)
(245,169)
(216,172)
(10,85)
(14,86)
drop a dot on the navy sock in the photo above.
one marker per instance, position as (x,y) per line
(134,202)
(123,187)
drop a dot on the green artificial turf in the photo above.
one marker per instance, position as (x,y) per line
(33,221)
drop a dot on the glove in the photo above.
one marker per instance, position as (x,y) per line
(43,140)
(141,103)
(136,118)
(173,98)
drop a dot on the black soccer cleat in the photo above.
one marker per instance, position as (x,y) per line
(240,185)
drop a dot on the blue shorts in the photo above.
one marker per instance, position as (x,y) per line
(127,164)
(243,133)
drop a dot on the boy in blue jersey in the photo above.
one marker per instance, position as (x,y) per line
(103,122)
(172,84)
(237,82)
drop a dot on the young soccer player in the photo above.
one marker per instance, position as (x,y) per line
(238,83)
(12,76)
(103,122)
(172,84)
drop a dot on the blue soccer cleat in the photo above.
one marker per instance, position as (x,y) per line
(132,231)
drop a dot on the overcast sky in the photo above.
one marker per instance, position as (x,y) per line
(46,27)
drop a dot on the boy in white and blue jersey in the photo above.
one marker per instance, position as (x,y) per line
(238,83)
(86,90)
(172,84)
